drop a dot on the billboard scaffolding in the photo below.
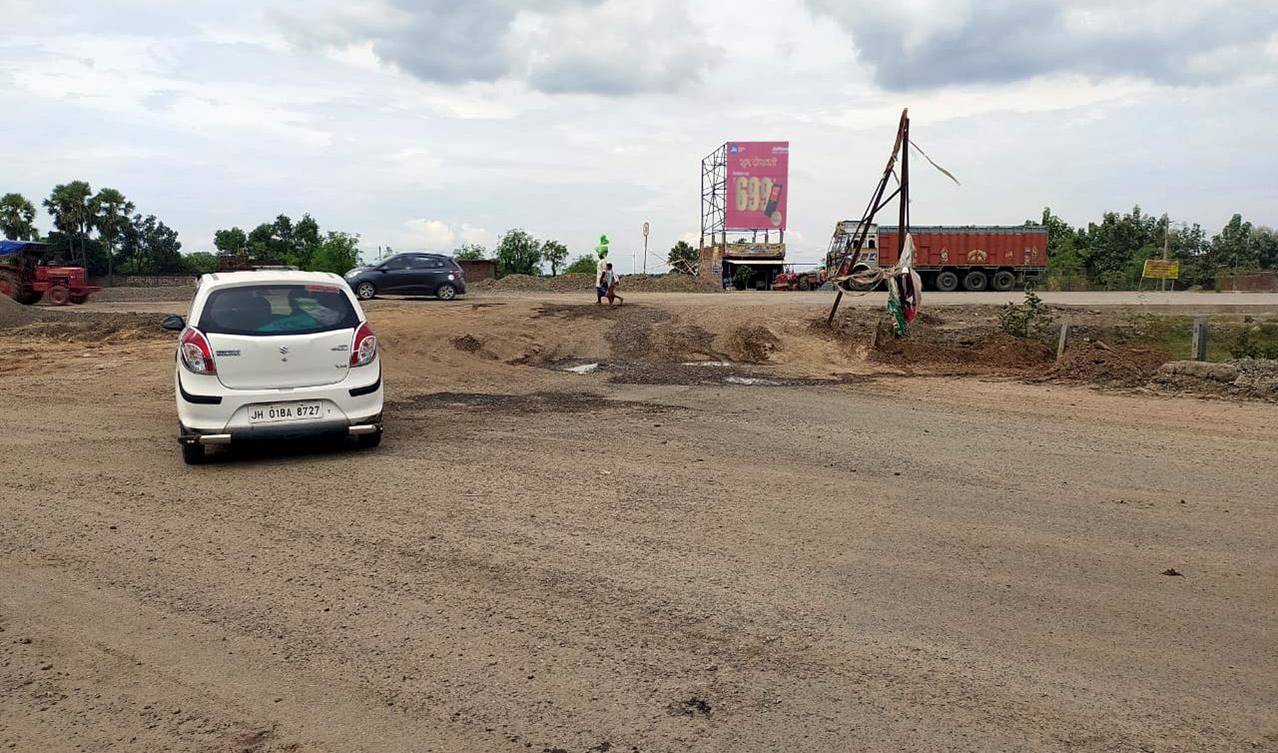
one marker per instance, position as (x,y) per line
(744,201)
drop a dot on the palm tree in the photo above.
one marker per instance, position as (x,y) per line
(17,217)
(69,205)
(110,214)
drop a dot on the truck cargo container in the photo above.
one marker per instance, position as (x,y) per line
(971,258)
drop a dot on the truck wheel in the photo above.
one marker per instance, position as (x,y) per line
(947,282)
(78,298)
(975,281)
(805,284)
(58,295)
(1004,281)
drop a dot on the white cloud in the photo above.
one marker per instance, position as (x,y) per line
(427,235)
(438,235)
(218,116)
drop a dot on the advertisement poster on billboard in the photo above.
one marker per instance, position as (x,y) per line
(757,190)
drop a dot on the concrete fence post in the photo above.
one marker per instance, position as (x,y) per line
(1198,341)
(1060,344)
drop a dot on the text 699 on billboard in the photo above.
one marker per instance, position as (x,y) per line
(757,177)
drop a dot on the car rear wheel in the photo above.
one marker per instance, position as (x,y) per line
(947,282)
(365,290)
(1004,281)
(446,292)
(192,453)
(975,281)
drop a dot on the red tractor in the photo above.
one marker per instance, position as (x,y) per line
(24,279)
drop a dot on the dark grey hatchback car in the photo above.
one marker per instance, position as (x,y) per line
(408,274)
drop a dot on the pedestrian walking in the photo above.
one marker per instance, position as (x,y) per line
(609,282)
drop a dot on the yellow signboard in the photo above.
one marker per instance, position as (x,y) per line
(1159,269)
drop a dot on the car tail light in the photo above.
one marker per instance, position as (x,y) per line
(364,349)
(196,354)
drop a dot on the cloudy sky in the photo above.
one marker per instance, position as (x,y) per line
(426,124)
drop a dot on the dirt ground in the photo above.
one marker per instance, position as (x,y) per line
(735,530)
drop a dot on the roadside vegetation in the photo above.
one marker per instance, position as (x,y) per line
(1110,254)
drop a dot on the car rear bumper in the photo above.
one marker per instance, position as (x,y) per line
(272,433)
(210,414)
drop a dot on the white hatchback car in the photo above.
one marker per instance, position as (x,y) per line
(275,355)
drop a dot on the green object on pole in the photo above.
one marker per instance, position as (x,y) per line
(898,315)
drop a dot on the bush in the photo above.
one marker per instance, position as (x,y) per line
(582,265)
(199,263)
(1031,319)
(1246,345)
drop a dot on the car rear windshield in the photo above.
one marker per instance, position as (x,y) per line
(277,310)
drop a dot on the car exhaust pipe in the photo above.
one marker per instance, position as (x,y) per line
(213,439)
(359,429)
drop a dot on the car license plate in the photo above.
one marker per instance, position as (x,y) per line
(275,412)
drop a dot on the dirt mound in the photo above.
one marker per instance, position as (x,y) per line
(1260,375)
(79,327)
(960,353)
(158,293)
(1100,364)
(668,283)
(468,343)
(1246,378)
(529,283)
(14,314)
(752,344)
(686,343)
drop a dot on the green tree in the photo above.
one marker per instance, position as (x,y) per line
(200,262)
(582,265)
(69,206)
(17,217)
(76,251)
(262,243)
(230,241)
(555,254)
(683,257)
(110,215)
(304,243)
(151,247)
(518,253)
(470,252)
(1233,247)
(337,253)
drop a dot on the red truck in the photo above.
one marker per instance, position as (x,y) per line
(976,258)
(24,278)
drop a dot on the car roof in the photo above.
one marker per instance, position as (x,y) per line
(267,277)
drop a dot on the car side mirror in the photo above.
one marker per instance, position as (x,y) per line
(173,323)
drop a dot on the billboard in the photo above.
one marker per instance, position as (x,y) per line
(757,190)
